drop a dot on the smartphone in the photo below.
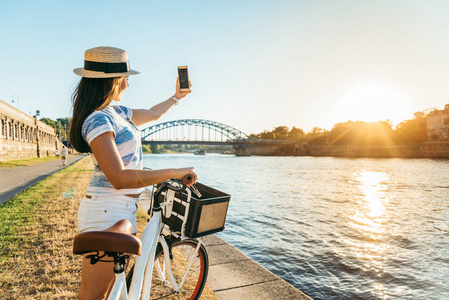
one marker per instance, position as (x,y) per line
(183,75)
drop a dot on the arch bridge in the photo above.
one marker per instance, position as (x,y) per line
(199,131)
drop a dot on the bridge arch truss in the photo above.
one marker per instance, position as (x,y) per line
(193,130)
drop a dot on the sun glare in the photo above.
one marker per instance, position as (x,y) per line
(372,102)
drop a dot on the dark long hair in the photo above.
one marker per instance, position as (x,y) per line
(90,95)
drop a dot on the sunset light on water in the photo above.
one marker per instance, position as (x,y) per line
(368,216)
(372,186)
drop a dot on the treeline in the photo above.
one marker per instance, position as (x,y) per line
(154,149)
(61,125)
(409,132)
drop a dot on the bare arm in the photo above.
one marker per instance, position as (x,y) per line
(143,116)
(111,164)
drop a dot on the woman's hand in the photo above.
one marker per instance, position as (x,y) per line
(181,94)
(143,116)
(181,173)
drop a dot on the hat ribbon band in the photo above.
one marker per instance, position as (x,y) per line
(105,67)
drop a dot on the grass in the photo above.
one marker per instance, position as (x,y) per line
(26,162)
(37,228)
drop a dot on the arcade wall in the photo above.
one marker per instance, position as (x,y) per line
(23,136)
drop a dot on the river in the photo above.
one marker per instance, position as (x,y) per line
(336,228)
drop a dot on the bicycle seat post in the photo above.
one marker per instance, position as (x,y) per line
(119,262)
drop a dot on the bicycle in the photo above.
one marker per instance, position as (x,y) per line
(171,260)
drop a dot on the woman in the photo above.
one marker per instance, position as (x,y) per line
(64,154)
(110,135)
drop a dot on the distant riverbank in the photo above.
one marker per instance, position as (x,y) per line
(423,150)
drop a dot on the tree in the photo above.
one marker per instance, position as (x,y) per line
(266,135)
(296,134)
(146,149)
(49,122)
(317,135)
(280,133)
(412,131)
(376,133)
(64,124)
(61,125)
(64,121)
(156,148)
(339,134)
(317,130)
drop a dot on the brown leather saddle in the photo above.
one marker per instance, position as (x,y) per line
(117,238)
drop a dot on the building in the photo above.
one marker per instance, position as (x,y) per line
(438,125)
(23,136)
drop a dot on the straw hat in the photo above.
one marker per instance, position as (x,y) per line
(105,62)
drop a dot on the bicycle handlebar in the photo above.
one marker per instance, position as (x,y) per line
(182,185)
(188,179)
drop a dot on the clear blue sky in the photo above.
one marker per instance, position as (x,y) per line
(254,65)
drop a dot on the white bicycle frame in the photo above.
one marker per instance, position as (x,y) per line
(143,268)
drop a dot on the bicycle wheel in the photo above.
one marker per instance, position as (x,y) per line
(183,253)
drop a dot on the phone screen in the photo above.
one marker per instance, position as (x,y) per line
(183,78)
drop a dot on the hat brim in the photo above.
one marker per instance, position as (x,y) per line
(94,74)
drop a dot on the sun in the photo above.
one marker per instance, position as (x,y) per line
(372,102)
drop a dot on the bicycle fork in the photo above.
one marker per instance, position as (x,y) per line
(191,258)
(166,269)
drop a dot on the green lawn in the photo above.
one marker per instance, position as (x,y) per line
(26,162)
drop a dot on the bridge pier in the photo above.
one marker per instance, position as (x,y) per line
(242,150)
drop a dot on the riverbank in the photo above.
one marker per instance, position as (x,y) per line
(423,150)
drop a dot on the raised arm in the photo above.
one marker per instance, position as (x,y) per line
(111,164)
(143,116)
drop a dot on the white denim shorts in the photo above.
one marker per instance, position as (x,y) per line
(99,213)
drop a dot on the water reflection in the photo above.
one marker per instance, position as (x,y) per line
(369,210)
(373,187)
(367,218)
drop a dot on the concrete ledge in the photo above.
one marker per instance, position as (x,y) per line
(233,275)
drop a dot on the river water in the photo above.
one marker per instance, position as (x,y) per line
(336,228)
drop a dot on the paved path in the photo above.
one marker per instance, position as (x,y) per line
(16,179)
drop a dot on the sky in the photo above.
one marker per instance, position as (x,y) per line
(254,65)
